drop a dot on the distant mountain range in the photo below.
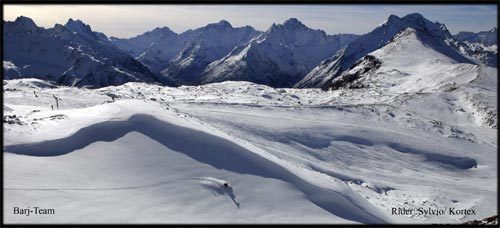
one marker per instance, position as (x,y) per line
(286,55)
(209,44)
(482,46)
(279,57)
(486,37)
(70,54)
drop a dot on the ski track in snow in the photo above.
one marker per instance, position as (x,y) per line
(191,142)
(105,189)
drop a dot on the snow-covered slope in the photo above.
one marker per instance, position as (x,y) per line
(280,57)
(411,52)
(184,163)
(398,69)
(324,73)
(70,55)
(210,43)
(162,154)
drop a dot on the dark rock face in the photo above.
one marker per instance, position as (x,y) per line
(366,64)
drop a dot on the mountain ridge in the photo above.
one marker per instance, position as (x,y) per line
(289,54)
(279,57)
(60,54)
(324,73)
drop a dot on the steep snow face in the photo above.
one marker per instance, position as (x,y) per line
(417,43)
(280,57)
(485,37)
(155,48)
(70,55)
(321,75)
(209,44)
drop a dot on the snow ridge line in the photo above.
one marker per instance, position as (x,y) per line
(212,150)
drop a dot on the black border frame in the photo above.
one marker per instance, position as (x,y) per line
(235,2)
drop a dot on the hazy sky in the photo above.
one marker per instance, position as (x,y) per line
(129,20)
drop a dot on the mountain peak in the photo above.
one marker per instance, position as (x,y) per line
(75,22)
(290,24)
(418,21)
(392,17)
(164,30)
(224,23)
(59,28)
(293,22)
(414,16)
(78,26)
(25,22)
(221,24)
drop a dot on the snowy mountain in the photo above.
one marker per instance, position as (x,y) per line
(485,37)
(407,54)
(325,72)
(155,48)
(209,43)
(444,79)
(71,55)
(280,57)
